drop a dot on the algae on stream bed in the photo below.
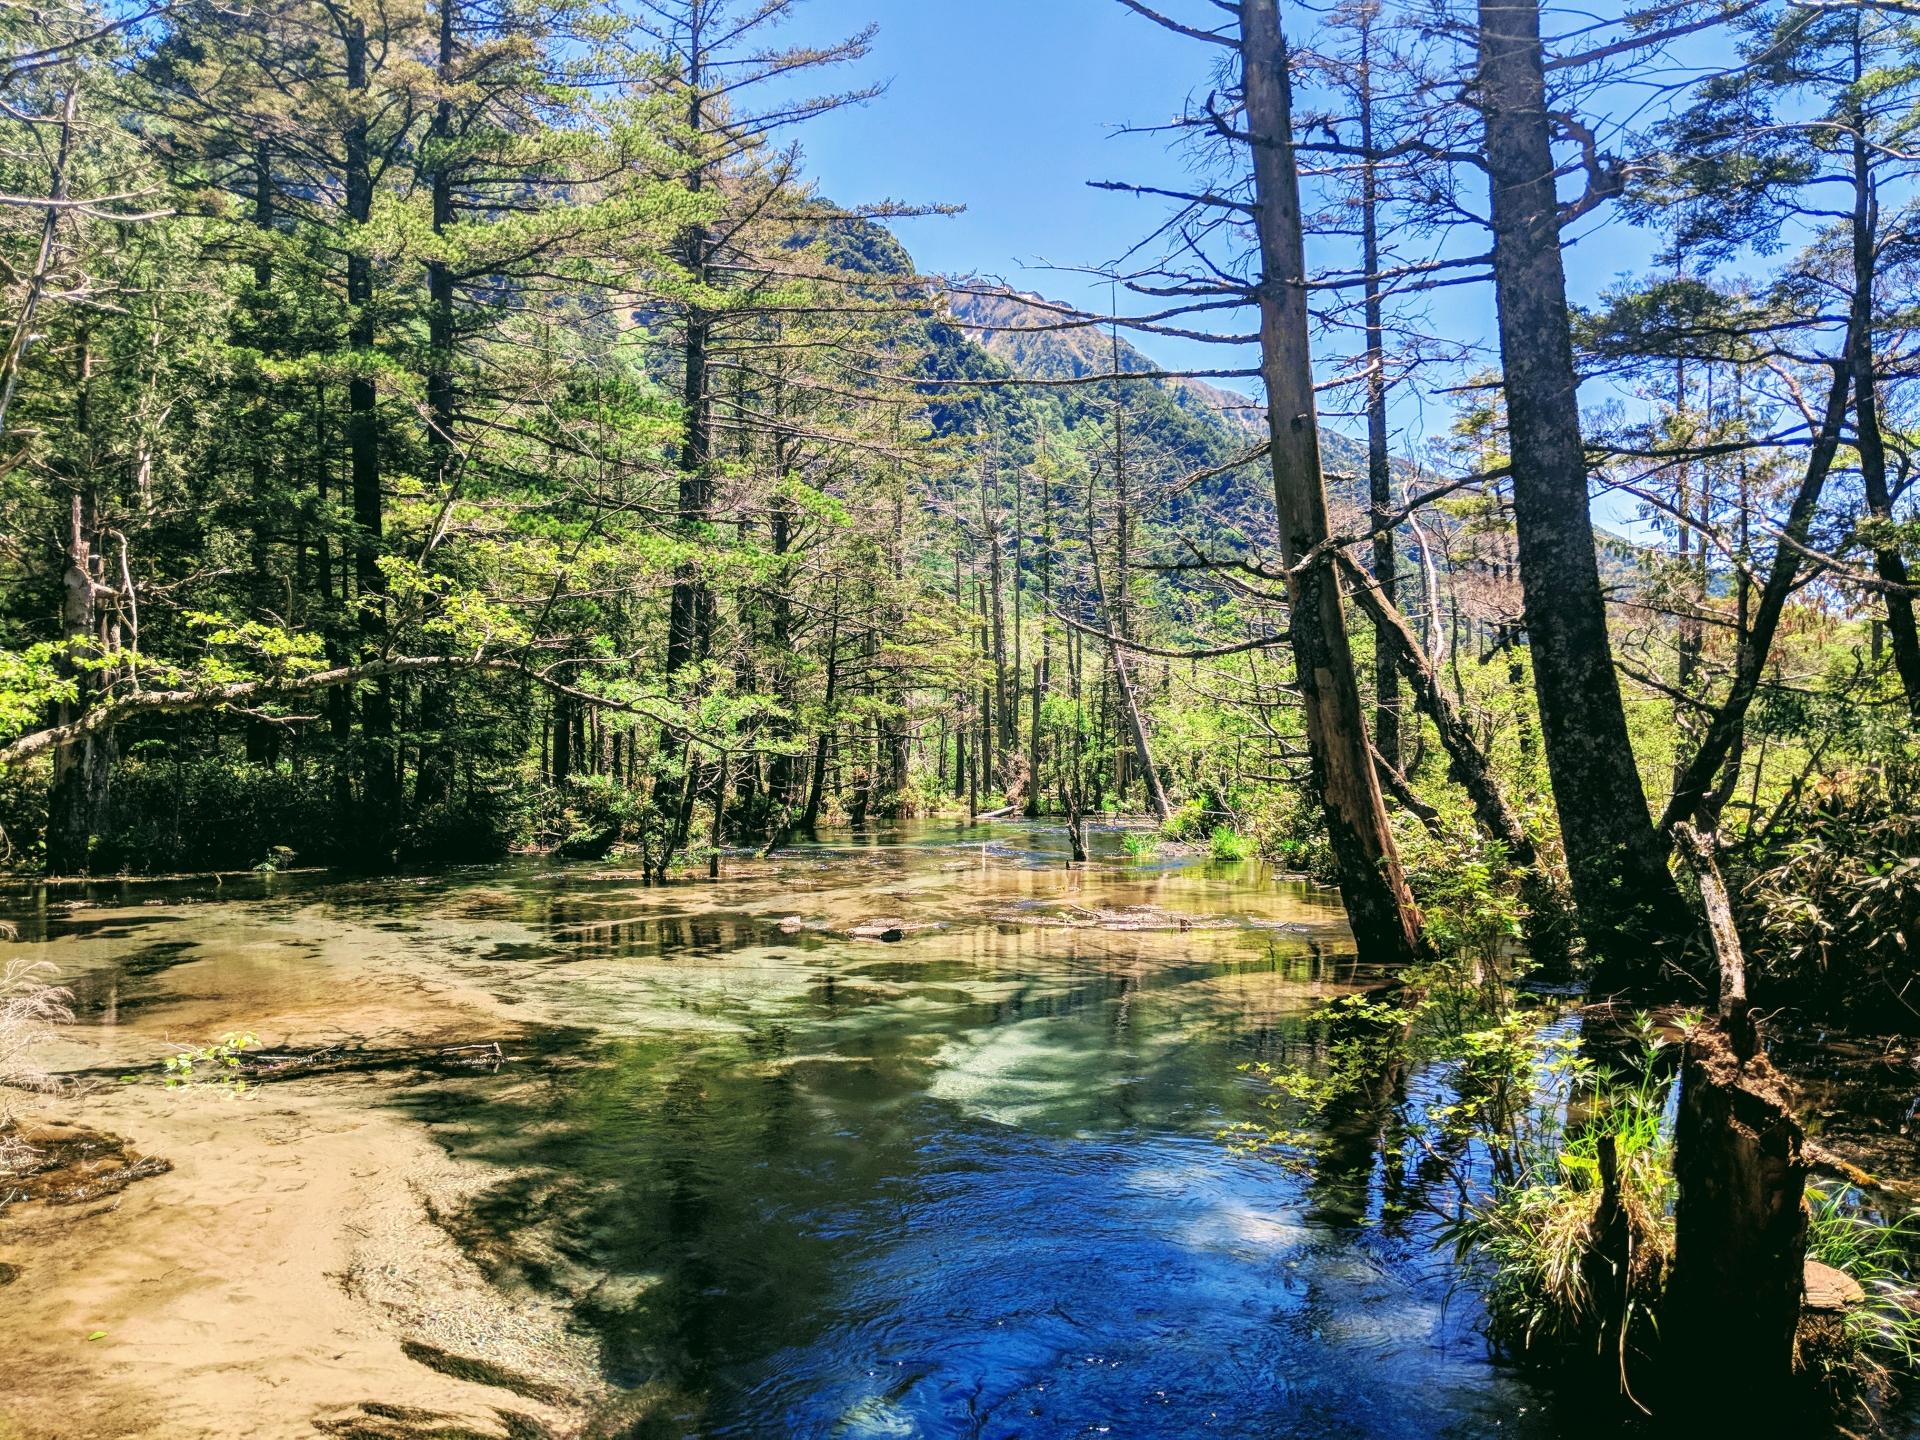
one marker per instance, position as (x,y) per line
(734,1168)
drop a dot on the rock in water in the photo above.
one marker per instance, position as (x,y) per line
(1831,1289)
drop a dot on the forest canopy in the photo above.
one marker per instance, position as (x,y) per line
(432,431)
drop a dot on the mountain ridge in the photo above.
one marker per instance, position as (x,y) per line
(1036,338)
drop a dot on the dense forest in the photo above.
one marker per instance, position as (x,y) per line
(436,432)
(435,429)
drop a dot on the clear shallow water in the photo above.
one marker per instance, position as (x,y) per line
(966,1184)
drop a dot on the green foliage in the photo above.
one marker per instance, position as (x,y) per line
(217,1064)
(211,812)
(218,812)
(1187,821)
(1139,845)
(1521,1136)
(1831,906)
(593,808)
(1226,843)
(1532,1229)
(1285,828)
(1470,895)
(1882,1335)
(1517,1137)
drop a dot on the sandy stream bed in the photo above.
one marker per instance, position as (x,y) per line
(285,1273)
(286,1277)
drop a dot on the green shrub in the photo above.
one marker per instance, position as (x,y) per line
(1186,822)
(1288,830)
(1229,844)
(211,813)
(1832,907)
(1517,1134)
(218,1064)
(1140,845)
(23,816)
(1531,1231)
(1470,896)
(215,812)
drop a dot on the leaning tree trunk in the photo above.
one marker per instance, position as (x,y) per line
(1130,699)
(1756,644)
(1380,907)
(1888,562)
(1740,1225)
(1386,671)
(1470,766)
(1629,905)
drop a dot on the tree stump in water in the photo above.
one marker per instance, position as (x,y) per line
(1740,1227)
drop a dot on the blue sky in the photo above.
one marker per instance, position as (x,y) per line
(1009,107)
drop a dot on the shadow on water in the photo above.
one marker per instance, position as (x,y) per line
(969,1183)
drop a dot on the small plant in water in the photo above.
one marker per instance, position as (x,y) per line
(1186,822)
(1140,844)
(30,1007)
(1533,1227)
(1229,844)
(216,1064)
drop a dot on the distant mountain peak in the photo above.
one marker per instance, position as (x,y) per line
(1039,339)
(1035,337)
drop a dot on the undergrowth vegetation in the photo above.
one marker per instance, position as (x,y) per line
(1831,899)
(1548,1173)
(1878,1340)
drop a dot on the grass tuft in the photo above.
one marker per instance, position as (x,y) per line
(1228,844)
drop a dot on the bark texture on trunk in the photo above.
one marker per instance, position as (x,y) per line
(1038,698)
(1629,905)
(1740,1156)
(1380,908)
(786,772)
(810,820)
(1131,703)
(1740,1237)
(690,610)
(1889,563)
(1386,671)
(363,443)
